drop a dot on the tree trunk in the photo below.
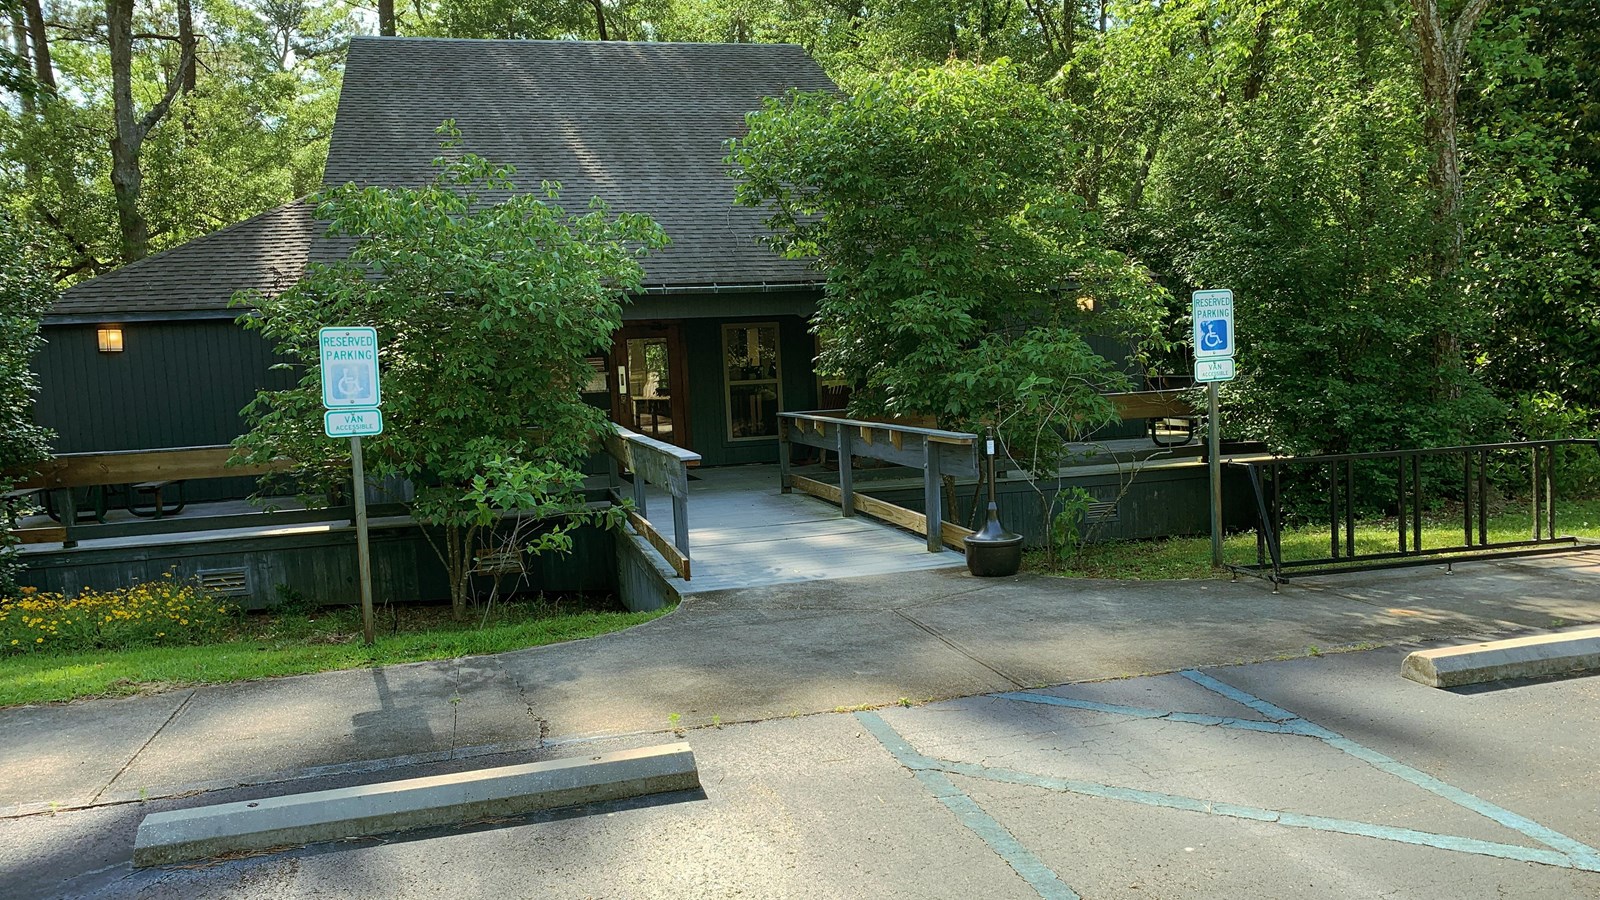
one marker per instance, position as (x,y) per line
(188,45)
(43,71)
(1255,77)
(453,571)
(1440,51)
(127,180)
(19,36)
(600,18)
(1059,36)
(386,18)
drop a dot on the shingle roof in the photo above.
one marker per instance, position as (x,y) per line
(266,251)
(640,125)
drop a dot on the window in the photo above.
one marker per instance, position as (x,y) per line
(597,383)
(751,376)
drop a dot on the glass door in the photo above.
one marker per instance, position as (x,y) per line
(649,395)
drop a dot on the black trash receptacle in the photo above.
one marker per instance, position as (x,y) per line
(993,551)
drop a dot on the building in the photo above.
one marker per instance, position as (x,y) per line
(149,355)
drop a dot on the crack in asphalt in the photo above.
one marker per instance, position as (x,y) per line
(142,747)
(541,725)
(957,647)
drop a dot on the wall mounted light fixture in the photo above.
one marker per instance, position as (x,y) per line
(110,339)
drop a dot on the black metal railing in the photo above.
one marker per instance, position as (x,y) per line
(1418,477)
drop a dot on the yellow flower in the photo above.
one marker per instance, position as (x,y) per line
(38,640)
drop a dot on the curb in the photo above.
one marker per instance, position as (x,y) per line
(1563,653)
(207,831)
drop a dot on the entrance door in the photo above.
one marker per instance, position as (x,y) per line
(649,391)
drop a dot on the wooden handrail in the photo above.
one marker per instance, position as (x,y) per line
(890,425)
(665,466)
(934,451)
(1151,404)
(69,470)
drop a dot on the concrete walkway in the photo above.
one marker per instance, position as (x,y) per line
(751,655)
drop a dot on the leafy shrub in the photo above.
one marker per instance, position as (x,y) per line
(25,295)
(1546,416)
(164,612)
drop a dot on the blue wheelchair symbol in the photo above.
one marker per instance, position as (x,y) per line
(1213,334)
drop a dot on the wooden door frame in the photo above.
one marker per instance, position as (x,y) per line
(678,371)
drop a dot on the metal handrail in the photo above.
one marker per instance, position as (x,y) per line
(1266,480)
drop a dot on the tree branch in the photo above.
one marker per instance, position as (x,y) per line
(86,257)
(175,84)
(1466,20)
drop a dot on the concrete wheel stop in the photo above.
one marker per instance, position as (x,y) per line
(294,819)
(1537,656)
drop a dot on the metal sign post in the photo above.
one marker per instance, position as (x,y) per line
(351,395)
(1212,315)
(363,551)
(1214,467)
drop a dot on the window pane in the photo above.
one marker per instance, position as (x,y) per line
(753,410)
(752,353)
(649,375)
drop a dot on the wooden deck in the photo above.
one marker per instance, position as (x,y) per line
(744,533)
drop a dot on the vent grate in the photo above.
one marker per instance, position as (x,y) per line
(499,562)
(1102,511)
(226,582)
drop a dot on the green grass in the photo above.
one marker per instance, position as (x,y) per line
(268,645)
(1179,558)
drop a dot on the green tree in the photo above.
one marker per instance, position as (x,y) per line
(962,276)
(25,296)
(1278,150)
(486,311)
(215,111)
(1531,144)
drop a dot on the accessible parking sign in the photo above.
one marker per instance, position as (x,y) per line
(349,367)
(1212,313)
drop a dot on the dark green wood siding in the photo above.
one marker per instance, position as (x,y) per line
(178,384)
(320,566)
(708,398)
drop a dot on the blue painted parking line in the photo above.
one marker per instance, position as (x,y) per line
(1583,856)
(1043,880)
(1144,712)
(1565,852)
(1259,814)
(1271,711)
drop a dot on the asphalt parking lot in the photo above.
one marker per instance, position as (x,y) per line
(1318,777)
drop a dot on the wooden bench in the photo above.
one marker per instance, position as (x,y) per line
(10,497)
(1171,420)
(155,488)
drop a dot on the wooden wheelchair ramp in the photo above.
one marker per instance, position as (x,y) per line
(744,533)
